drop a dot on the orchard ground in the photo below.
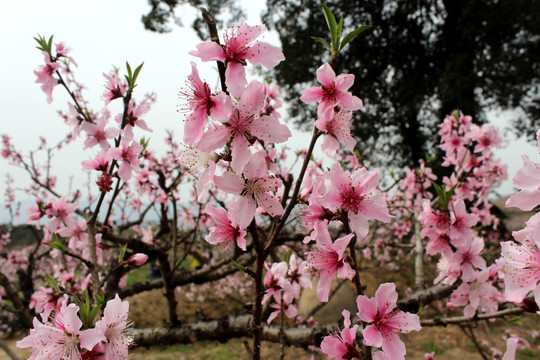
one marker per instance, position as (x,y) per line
(149,309)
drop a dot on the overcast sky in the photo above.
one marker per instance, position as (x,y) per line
(103,34)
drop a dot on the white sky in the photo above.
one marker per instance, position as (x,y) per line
(103,34)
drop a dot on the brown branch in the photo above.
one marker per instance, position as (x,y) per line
(412,302)
(212,28)
(228,328)
(462,319)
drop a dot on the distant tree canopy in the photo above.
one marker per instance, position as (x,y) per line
(421,60)
(162,11)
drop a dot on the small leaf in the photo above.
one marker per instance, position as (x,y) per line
(322,41)
(130,74)
(331,22)
(122,253)
(353,34)
(195,263)
(335,42)
(239,266)
(287,256)
(56,243)
(51,283)
(136,73)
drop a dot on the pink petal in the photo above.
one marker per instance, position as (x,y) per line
(393,347)
(269,129)
(265,54)
(525,200)
(325,282)
(194,125)
(367,308)
(527,177)
(511,346)
(330,145)
(230,183)
(235,76)
(312,94)
(221,107)
(90,338)
(271,204)
(359,224)
(204,182)
(326,75)
(349,102)
(214,138)
(372,336)
(209,51)
(344,81)
(346,272)
(386,297)
(340,245)
(252,99)
(243,210)
(240,153)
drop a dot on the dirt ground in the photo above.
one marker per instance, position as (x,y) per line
(450,343)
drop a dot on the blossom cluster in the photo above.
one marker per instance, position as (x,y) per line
(62,335)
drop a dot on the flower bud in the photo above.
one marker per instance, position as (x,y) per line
(137,259)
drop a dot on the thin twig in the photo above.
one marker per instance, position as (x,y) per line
(463,319)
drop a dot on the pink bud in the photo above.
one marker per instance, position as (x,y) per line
(137,259)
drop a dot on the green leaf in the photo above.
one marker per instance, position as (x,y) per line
(44,45)
(287,256)
(331,22)
(335,42)
(56,243)
(130,74)
(122,253)
(239,266)
(51,283)
(441,193)
(352,35)
(137,71)
(322,41)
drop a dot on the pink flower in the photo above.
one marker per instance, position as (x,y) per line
(522,262)
(110,331)
(133,118)
(240,45)
(137,259)
(201,103)
(511,346)
(226,230)
(527,180)
(97,134)
(333,91)
(337,126)
(342,346)
(45,76)
(129,157)
(59,340)
(245,124)
(468,255)
(116,87)
(478,293)
(63,213)
(357,194)
(462,222)
(253,190)
(329,260)
(203,165)
(386,321)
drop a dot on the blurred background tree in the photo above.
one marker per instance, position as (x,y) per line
(421,60)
